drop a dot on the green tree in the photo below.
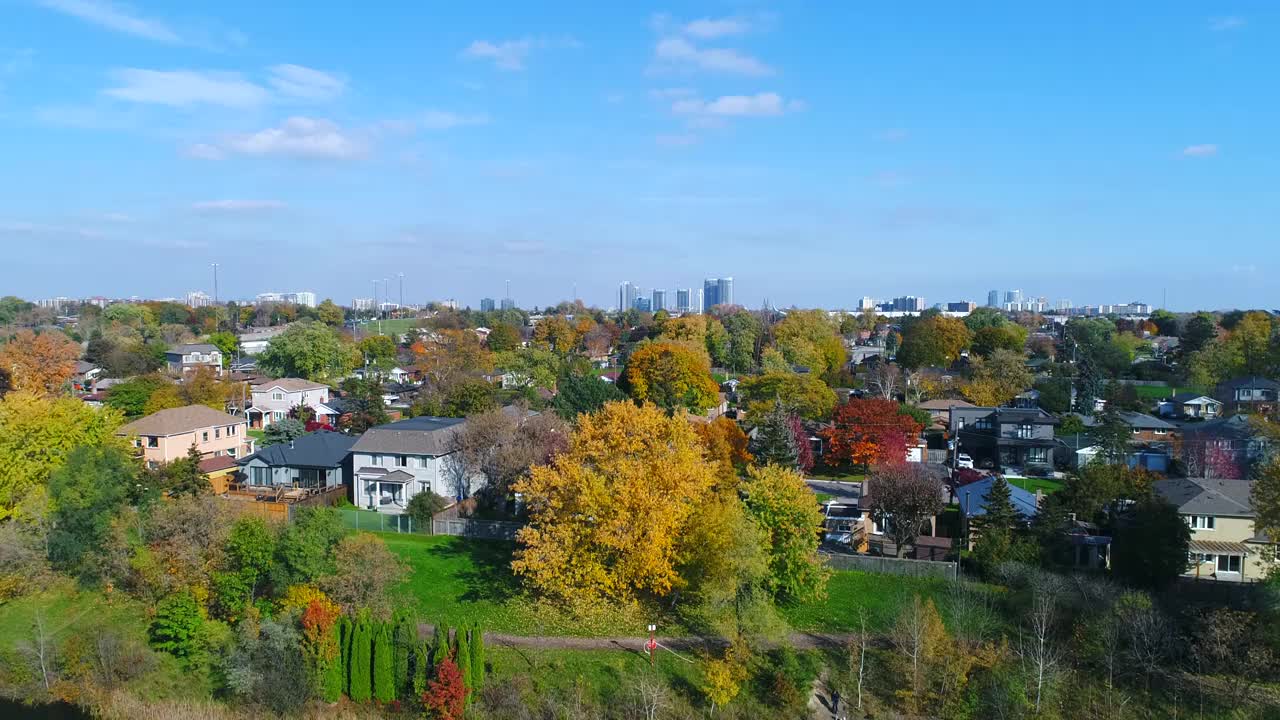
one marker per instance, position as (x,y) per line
(362,661)
(330,314)
(985,317)
(283,431)
(469,397)
(305,551)
(477,659)
(60,426)
(384,665)
(309,350)
(177,626)
(811,339)
(773,442)
(787,511)
(583,392)
(1166,322)
(1266,499)
(183,476)
(1150,544)
(1055,394)
(503,338)
(1009,336)
(86,494)
(346,631)
(378,351)
(462,656)
(744,333)
(423,507)
(804,395)
(1197,333)
(994,528)
(440,645)
(670,375)
(933,341)
(248,556)
(130,397)
(404,636)
(226,342)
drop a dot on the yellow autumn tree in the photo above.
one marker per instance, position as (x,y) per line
(722,677)
(606,516)
(40,363)
(672,376)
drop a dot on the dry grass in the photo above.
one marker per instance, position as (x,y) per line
(122,705)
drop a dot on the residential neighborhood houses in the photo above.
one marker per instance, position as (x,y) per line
(970,443)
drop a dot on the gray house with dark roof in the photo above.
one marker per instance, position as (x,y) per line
(396,461)
(1004,437)
(1249,394)
(318,460)
(186,358)
(1224,543)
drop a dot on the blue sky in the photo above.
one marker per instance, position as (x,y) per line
(817,152)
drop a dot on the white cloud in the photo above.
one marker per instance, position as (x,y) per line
(1206,150)
(305,83)
(673,53)
(299,137)
(1229,22)
(763,104)
(509,55)
(237,206)
(204,151)
(185,88)
(444,120)
(114,17)
(708,28)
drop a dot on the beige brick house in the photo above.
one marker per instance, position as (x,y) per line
(1224,544)
(167,435)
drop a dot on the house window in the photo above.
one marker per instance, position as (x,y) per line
(277,416)
(204,436)
(1137,430)
(261,476)
(1161,431)
(1200,522)
(1026,431)
(231,452)
(1037,455)
(983,423)
(217,433)
(377,460)
(153,441)
(231,430)
(402,461)
(1228,563)
(277,396)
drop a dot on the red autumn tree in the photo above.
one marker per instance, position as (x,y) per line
(446,695)
(804,450)
(867,431)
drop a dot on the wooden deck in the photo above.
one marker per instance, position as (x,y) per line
(275,502)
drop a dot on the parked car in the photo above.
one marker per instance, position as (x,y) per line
(964,461)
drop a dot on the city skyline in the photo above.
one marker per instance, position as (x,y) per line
(561,145)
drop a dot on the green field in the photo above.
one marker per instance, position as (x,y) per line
(1048,485)
(462,582)
(393,326)
(840,474)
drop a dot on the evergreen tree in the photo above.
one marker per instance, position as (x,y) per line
(477,659)
(421,661)
(344,638)
(405,639)
(462,656)
(362,661)
(440,648)
(384,664)
(183,476)
(774,442)
(994,528)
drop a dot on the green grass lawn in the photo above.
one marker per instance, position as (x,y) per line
(825,473)
(460,581)
(848,590)
(258,435)
(394,326)
(1159,392)
(1048,485)
(70,612)
(600,673)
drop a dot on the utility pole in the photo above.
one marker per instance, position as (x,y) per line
(215,283)
(402,292)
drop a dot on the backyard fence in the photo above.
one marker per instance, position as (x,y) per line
(893,566)
(482,529)
(357,519)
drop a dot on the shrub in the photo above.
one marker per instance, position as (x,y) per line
(177,625)
(384,665)
(446,695)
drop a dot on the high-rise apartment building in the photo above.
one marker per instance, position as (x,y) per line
(716,291)
(659,300)
(993,299)
(1013,296)
(627,294)
(684,302)
(487,305)
(508,304)
(962,306)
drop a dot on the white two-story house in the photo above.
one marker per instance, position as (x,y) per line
(186,358)
(396,461)
(272,401)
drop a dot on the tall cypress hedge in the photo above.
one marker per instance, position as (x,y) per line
(441,649)
(332,669)
(421,663)
(477,658)
(344,637)
(405,638)
(362,661)
(462,656)
(384,664)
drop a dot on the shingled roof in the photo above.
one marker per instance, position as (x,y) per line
(423,435)
(176,421)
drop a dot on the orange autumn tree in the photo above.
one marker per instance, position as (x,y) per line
(606,516)
(446,356)
(40,363)
(867,431)
(670,375)
(725,445)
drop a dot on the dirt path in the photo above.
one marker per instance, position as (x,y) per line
(798,640)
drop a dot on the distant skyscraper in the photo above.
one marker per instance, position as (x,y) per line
(508,304)
(993,299)
(867,303)
(963,306)
(716,291)
(643,304)
(659,300)
(683,302)
(487,304)
(303,298)
(627,294)
(1013,296)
